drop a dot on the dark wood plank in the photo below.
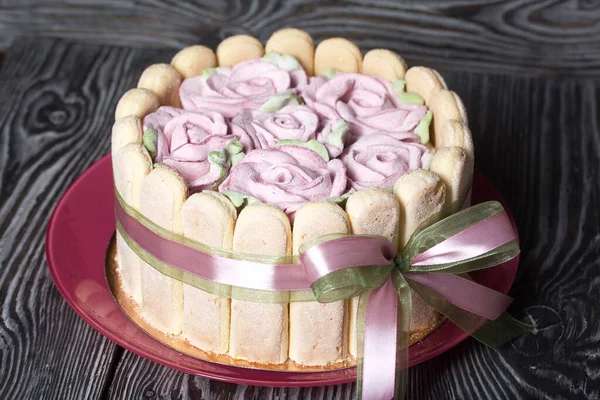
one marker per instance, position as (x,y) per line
(140,378)
(537,139)
(537,36)
(46,140)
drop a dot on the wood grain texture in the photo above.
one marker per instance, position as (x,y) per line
(537,137)
(139,378)
(548,36)
(42,119)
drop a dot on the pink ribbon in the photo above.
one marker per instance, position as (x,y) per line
(214,268)
(346,252)
(466,294)
(379,365)
(474,241)
(381,316)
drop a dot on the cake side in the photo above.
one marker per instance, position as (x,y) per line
(182,344)
(417,195)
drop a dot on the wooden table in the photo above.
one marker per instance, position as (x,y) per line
(528,73)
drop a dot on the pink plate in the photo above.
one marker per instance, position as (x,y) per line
(76,242)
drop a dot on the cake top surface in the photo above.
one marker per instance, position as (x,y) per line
(266,130)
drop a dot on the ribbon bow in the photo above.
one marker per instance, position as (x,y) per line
(434,264)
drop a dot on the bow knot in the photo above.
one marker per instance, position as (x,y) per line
(402,262)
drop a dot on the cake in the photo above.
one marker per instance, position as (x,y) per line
(260,150)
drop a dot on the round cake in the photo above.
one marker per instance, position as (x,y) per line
(260,150)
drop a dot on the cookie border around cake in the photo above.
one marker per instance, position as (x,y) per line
(419,193)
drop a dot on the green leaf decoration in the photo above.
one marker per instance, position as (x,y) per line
(235,152)
(399,87)
(207,73)
(410,98)
(340,201)
(286,62)
(329,73)
(312,144)
(236,158)
(277,102)
(422,130)
(217,157)
(338,134)
(240,199)
(150,139)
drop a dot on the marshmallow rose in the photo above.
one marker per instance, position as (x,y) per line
(262,130)
(379,159)
(246,85)
(286,176)
(265,130)
(196,144)
(367,103)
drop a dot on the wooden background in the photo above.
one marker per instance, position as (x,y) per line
(528,72)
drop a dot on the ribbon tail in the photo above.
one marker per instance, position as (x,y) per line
(404,299)
(360,341)
(489,332)
(382,367)
(502,330)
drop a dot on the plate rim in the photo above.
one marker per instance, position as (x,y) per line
(318,378)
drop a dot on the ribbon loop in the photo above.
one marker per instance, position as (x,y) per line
(459,237)
(343,266)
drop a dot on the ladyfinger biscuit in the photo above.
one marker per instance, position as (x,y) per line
(424,82)
(163,80)
(192,60)
(421,194)
(238,48)
(440,78)
(383,63)
(138,102)
(131,163)
(162,196)
(457,134)
(374,212)
(371,212)
(338,54)
(259,331)
(445,105)
(296,43)
(124,131)
(209,218)
(451,164)
(318,331)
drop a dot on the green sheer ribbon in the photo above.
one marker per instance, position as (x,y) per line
(361,281)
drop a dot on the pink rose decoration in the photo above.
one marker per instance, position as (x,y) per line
(185,141)
(247,85)
(367,103)
(379,159)
(287,176)
(265,130)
